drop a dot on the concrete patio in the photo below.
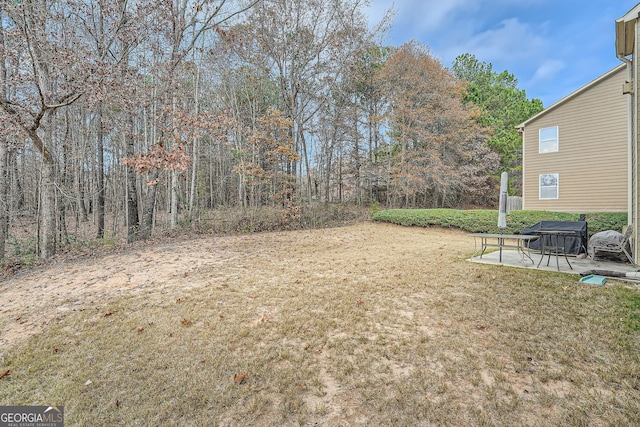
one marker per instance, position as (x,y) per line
(511,258)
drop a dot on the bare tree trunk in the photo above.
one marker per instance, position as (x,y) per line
(149,202)
(81,199)
(63,233)
(4,147)
(16,200)
(100,171)
(47,193)
(194,176)
(133,222)
(329,165)
(356,155)
(4,202)
(194,156)
(174,173)
(340,176)
(48,210)
(305,156)
(212,196)
(100,140)
(146,225)
(174,199)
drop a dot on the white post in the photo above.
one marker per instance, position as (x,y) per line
(502,215)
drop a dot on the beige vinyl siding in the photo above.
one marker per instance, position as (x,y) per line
(592,151)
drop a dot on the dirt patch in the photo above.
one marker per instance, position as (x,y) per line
(31,299)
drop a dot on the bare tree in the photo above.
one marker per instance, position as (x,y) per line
(57,68)
(180,24)
(4,147)
(299,43)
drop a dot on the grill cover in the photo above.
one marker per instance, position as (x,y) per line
(574,244)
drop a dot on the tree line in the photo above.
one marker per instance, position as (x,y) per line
(127,108)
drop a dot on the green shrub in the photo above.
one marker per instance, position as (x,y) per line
(21,247)
(374,207)
(486,221)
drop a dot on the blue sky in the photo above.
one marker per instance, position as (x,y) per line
(552,47)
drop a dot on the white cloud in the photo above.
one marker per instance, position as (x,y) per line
(414,19)
(423,17)
(510,40)
(430,16)
(547,71)
(453,27)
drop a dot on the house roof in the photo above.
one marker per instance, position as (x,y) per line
(625,32)
(633,13)
(572,95)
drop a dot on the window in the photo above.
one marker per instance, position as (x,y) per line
(549,186)
(548,140)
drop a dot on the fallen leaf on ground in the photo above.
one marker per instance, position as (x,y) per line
(5,373)
(240,377)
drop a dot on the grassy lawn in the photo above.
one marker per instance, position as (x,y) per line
(374,324)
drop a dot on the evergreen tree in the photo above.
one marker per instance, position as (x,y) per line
(502,107)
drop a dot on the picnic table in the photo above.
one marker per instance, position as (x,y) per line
(500,241)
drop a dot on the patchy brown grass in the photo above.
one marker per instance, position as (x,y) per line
(371,324)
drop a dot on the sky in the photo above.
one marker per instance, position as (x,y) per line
(552,47)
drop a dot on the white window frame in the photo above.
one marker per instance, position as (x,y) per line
(548,140)
(547,181)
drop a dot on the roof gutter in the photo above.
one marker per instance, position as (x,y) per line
(632,170)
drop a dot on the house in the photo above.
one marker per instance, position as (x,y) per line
(627,32)
(575,152)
